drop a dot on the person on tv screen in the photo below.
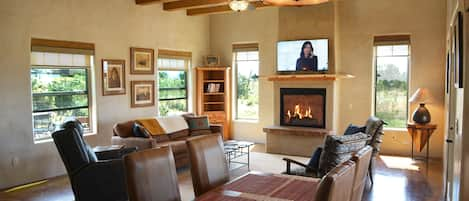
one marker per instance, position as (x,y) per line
(307,61)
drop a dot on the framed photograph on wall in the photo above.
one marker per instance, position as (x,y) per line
(458,51)
(113,75)
(142,93)
(142,61)
(212,60)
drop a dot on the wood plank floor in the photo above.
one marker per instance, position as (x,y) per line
(396,179)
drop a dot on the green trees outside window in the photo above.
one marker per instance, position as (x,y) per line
(58,95)
(247,86)
(391,90)
(172,88)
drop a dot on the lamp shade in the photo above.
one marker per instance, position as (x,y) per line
(294,2)
(422,95)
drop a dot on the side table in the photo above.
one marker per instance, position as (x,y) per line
(420,134)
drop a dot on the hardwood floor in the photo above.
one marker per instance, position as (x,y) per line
(396,179)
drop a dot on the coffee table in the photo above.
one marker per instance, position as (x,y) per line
(235,151)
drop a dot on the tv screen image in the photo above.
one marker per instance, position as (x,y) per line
(303,56)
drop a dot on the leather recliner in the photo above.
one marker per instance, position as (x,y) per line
(209,168)
(91,180)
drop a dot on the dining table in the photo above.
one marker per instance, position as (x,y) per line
(264,187)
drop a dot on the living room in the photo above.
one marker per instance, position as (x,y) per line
(181,41)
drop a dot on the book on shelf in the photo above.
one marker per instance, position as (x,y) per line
(213,88)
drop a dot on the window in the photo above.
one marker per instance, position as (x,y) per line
(172,83)
(60,87)
(392,82)
(246,63)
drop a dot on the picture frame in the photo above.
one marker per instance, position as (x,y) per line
(458,51)
(142,93)
(212,60)
(113,77)
(142,61)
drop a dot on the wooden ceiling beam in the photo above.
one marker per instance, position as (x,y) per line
(142,2)
(219,9)
(186,4)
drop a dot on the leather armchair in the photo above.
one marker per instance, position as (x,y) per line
(337,184)
(90,179)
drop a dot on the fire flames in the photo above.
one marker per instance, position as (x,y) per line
(298,113)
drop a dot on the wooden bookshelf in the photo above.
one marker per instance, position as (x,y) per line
(213,93)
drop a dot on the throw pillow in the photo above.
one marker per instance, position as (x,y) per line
(353,129)
(198,123)
(140,131)
(314,161)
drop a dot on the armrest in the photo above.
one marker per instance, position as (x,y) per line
(115,154)
(290,161)
(216,128)
(139,142)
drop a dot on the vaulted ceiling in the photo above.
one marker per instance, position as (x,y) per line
(203,7)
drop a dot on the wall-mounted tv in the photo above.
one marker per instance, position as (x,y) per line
(303,56)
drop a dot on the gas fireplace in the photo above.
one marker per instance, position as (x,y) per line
(304,107)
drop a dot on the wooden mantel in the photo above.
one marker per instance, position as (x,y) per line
(308,77)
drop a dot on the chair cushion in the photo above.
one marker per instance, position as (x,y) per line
(353,129)
(314,161)
(198,123)
(338,149)
(140,131)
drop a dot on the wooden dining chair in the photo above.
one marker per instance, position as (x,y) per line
(362,160)
(337,184)
(151,175)
(209,168)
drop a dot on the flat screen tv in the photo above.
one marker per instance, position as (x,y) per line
(303,56)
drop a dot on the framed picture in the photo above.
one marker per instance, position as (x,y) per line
(458,51)
(142,61)
(143,93)
(212,60)
(113,77)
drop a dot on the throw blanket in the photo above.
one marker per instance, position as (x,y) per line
(152,125)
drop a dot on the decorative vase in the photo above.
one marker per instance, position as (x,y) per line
(421,115)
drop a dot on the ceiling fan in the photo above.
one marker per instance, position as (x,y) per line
(241,5)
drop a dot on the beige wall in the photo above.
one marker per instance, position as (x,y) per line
(359,21)
(351,26)
(253,26)
(113,26)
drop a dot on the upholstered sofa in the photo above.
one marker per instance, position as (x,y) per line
(175,137)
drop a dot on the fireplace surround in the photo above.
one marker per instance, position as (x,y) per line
(303,107)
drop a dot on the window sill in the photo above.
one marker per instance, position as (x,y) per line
(42,141)
(395,129)
(251,121)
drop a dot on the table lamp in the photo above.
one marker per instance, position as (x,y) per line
(421,114)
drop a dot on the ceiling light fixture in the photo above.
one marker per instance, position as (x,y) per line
(294,2)
(239,5)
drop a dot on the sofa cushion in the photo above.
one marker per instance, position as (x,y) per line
(152,125)
(172,124)
(124,129)
(140,131)
(179,135)
(197,123)
(178,147)
(201,132)
(353,129)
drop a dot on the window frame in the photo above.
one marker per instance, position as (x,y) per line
(187,63)
(88,92)
(376,77)
(236,69)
